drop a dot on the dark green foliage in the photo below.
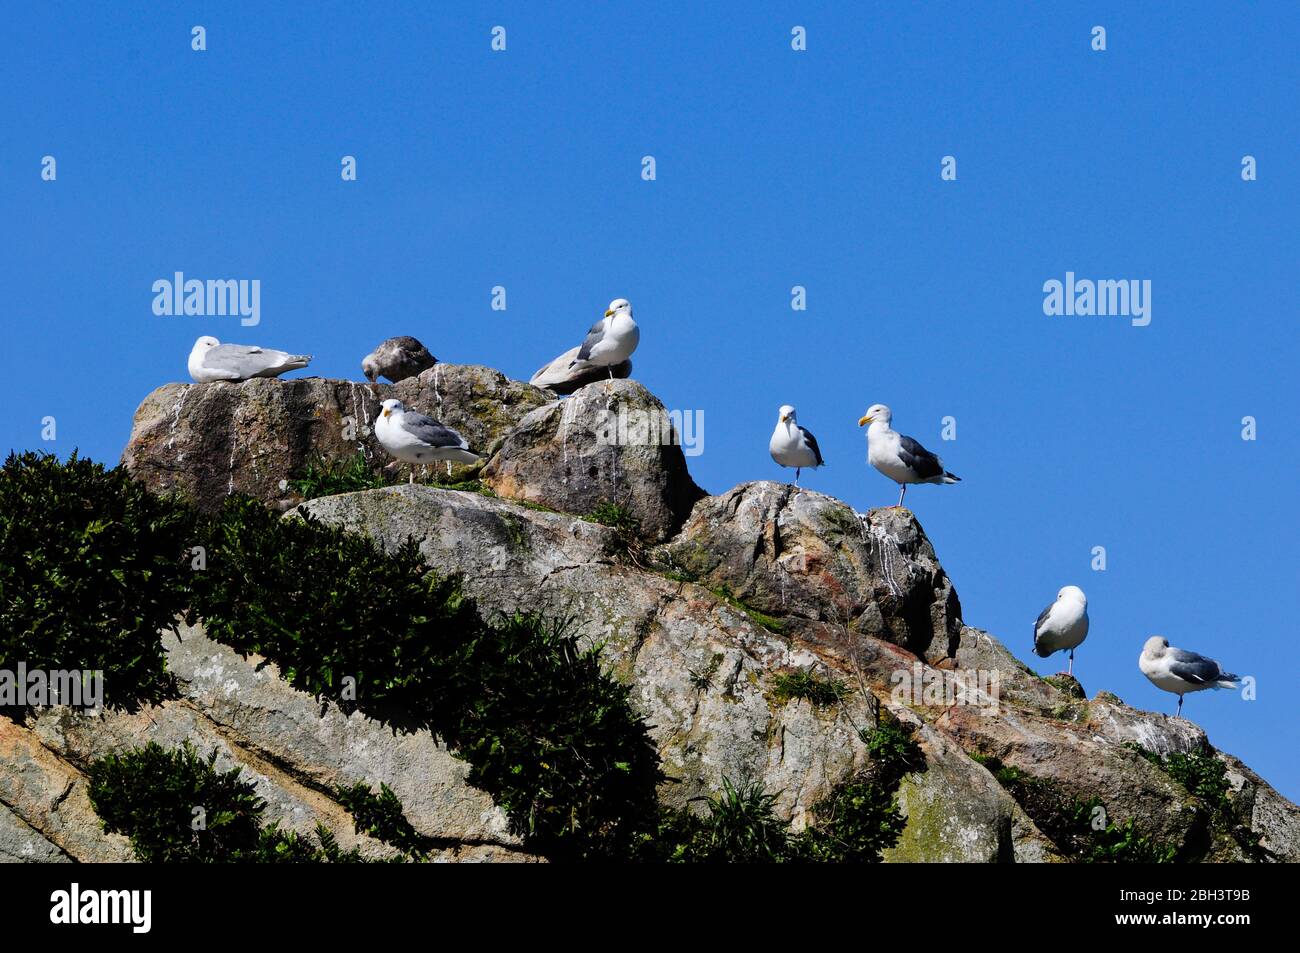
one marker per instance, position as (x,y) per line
(326,605)
(92,566)
(894,752)
(1113,843)
(740,828)
(381,816)
(854,823)
(626,527)
(546,732)
(1203,775)
(321,477)
(150,795)
(807,684)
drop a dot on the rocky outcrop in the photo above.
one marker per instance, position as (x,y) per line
(207,441)
(295,750)
(610,443)
(808,557)
(702,604)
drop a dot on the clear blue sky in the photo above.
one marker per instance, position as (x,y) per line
(775,168)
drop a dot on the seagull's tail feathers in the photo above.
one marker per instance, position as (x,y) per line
(1227,680)
(950,477)
(296,361)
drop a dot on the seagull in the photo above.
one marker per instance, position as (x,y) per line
(1062,625)
(900,458)
(397,359)
(415,438)
(210,360)
(612,339)
(1180,671)
(792,445)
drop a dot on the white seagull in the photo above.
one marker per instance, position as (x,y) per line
(900,458)
(1180,671)
(792,445)
(415,438)
(611,340)
(210,360)
(1062,625)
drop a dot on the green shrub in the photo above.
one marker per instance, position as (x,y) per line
(156,797)
(740,828)
(818,690)
(321,477)
(381,817)
(92,566)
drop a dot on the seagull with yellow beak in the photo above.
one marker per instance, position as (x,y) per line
(792,445)
(417,438)
(899,457)
(611,340)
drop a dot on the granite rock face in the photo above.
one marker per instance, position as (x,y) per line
(701,602)
(610,443)
(208,441)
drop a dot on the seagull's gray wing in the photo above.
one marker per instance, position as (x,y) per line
(429,431)
(812,444)
(1194,668)
(918,459)
(1038,623)
(594,337)
(240,359)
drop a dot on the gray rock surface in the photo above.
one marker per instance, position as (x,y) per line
(609,443)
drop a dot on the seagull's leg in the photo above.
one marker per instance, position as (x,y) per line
(1179,712)
(902,489)
(411,476)
(796,475)
(1070,672)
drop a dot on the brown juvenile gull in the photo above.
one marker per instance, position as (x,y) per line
(397,359)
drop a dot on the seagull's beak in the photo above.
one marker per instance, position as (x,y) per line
(387,412)
(863,421)
(609,314)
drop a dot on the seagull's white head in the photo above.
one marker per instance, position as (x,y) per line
(1072,594)
(1155,647)
(619,306)
(205,342)
(392,406)
(876,413)
(786,414)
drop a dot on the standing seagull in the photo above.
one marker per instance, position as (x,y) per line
(415,438)
(612,339)
(1062,625)
(1180,671)
(900,458)
(210,360)
(792,445)
(397,359)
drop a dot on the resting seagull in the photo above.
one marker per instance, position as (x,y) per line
(900,458)
(1062,625)
(792,445)
(415,438)
(611,340)
(1180,671)
(397,359)
(210,360)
